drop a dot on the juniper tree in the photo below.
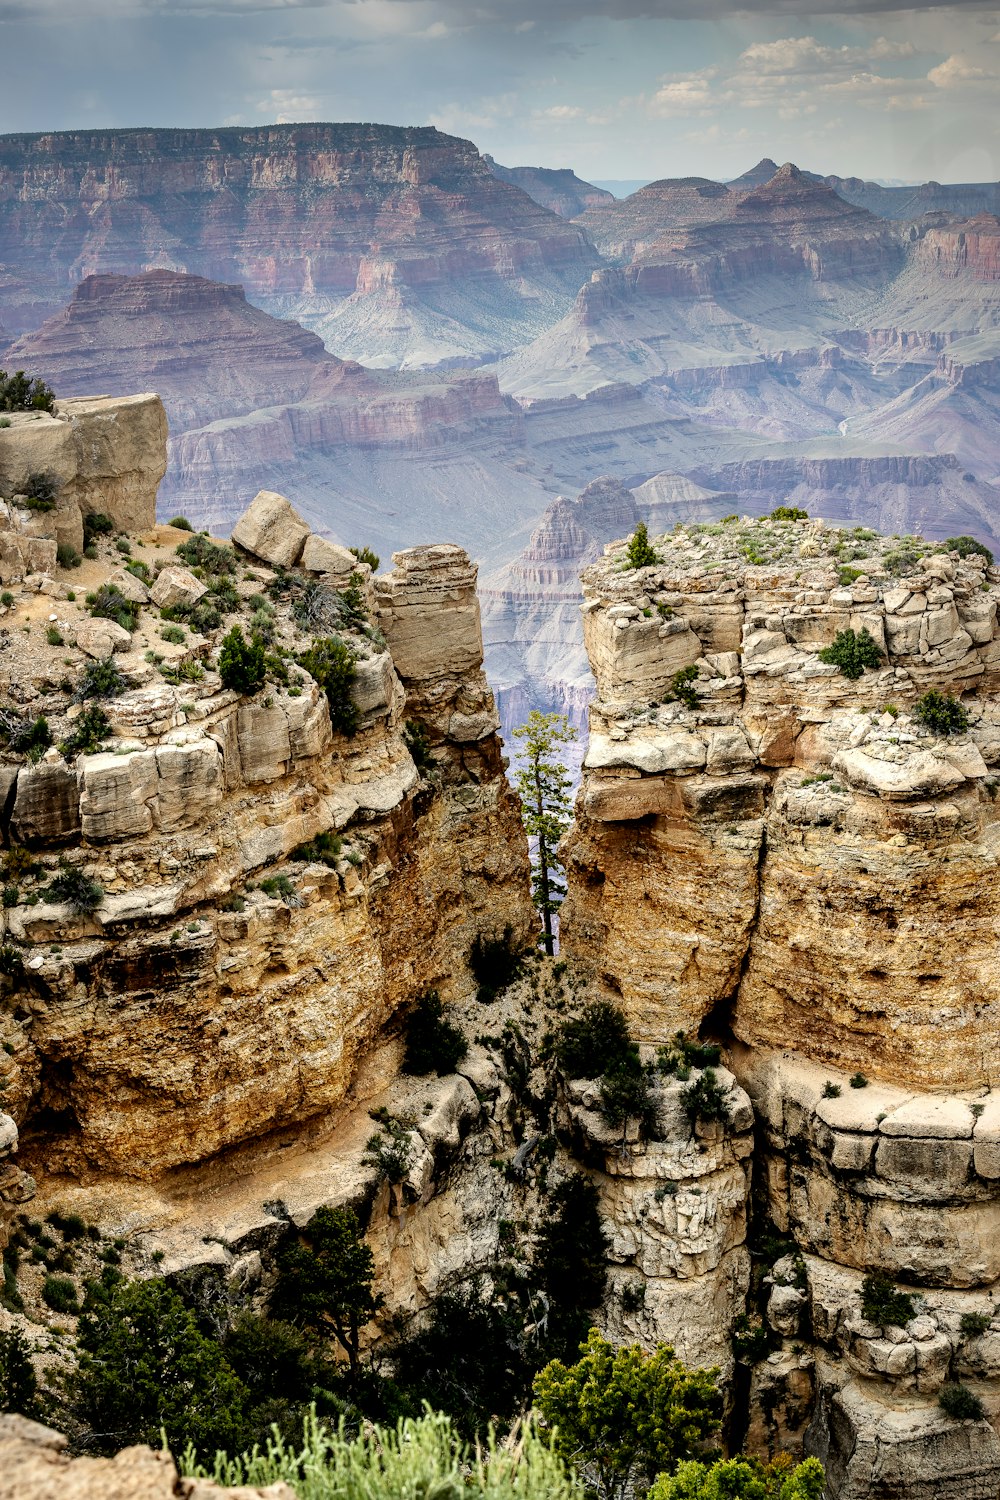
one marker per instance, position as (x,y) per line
(543,786)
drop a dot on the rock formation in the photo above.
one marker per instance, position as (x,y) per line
(798,862)
(104,455)
(558,189)
(375,221)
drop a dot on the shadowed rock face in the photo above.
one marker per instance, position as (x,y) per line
(302,216)
(558,189)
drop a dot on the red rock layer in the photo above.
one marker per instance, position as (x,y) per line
(289,210)
(970,247)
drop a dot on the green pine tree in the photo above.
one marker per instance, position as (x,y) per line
(543,785)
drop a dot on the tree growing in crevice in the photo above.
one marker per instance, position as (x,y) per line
(543,785)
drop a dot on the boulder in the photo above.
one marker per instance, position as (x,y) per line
(321,556)
(374,682)
(175,585)
(101,638)
(675,750)
(116,791)
(272,529)
(129,586)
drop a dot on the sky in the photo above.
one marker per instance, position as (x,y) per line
(613,88)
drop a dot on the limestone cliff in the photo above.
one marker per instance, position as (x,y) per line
(793,862)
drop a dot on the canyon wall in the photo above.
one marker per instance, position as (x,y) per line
(794,862)
(355,228)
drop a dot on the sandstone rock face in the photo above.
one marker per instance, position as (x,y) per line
(34,1466)
(272,530)
(225,985)
(797,859)
(106,455)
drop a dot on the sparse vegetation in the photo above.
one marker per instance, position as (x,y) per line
(974,1324)
(214,559)
(852,651)
(332,664)
(640,553)
(961,1404)
(73,888)
(882,1303)
(543,785)
(366,555)
(682,688)
(324,849)
(67,556)
(966,545)
(94,525)
(109,603)
(433,1044)
(788,513)
(21,392)
(241,662)
(101,679)
(41,490)
(705,1099)
(88,733)
(941,713)
(181,522)
(28,737)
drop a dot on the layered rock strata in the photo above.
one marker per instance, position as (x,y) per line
(229,981)
(104,455)
(796,862)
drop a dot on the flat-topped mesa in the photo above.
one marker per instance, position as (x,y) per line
(796,852)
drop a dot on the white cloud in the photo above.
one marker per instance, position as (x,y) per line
(805,55)
(956,72)
(683,93)
(286,107)
(559,112)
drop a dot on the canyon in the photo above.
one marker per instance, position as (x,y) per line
(431,334)
(783,859)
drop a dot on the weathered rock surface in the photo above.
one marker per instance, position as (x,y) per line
(34,1466)
(106,455)
(795,860)
(272,530)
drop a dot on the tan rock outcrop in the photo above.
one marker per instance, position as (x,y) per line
(272,529)
(106,454)
(35,1466)
(795,861)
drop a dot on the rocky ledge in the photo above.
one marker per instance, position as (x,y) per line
(789,853)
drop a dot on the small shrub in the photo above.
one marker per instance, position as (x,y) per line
(67,555)
(388,1150)
(900,561)
(88,734)
(974,1324)
(433,1045)
(21,392)
(682,688)
(847,575)
(181,522)
(241,662)
(597,1040)
(214,558)
(59,1293)
(366,555)
(6,598)
(418,744)
(324,849)
(964,545)
(640,554)
(18,1384)
(331,663)
(495,963)
(41,489)
(941,714)
(139,570)
(750,1339)
(95,525)
(705,1099)
(53,636)
(73,888)
(788,513)
(124,546)
(11,896)
(173,634)
(30,737)
(101,679)
(831,1090)
(279,885)
(109,603)
(852,652)
(883,1304)
(70,1226)
(858,1081)
(961,1404)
